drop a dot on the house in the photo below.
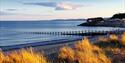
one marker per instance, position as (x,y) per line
(95,20)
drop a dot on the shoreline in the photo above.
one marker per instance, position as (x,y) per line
(88,25)
(50,48)
(37,44)
(47,44)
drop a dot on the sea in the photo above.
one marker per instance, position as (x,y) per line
(18,32)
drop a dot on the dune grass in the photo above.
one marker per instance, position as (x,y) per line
(85,52)
(114,46)
(22,56)
(123,38)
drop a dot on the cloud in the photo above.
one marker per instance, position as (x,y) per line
(6,13)
(57,6)
(11,9)
(67,6)
(47,4)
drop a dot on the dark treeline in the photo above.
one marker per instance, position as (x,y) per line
(119,16)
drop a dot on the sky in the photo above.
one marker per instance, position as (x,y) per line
(59,9)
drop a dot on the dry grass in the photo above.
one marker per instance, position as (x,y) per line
(123,38)
(113,37)
(114,47)
(23,56)
(112,41)
(66,52)
(85,52)
(102,39)
(1,57)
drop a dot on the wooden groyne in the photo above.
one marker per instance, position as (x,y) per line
(82,32)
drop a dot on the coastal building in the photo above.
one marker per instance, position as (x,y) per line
(95,20)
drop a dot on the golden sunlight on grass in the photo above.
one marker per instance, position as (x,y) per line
(113,37)
(123,38)
(23,56)
(85,52)
(114,47)
(83,45)
(1,57)
(66,52)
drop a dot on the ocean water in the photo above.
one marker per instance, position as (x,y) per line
(13,32)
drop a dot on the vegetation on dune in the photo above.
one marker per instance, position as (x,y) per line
(22,56)
(113,37)
(114,46)
(112,41)
(85,52)
(66,53)
(1,57)
(123,38)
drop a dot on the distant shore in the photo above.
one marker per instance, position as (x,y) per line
(117,20)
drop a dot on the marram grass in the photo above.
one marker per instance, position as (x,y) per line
(85,52)
(123,38)
(22,56)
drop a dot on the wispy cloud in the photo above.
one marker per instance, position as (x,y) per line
(57,6)
(11,9)
(47,4)
(67,6)
(6,13)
